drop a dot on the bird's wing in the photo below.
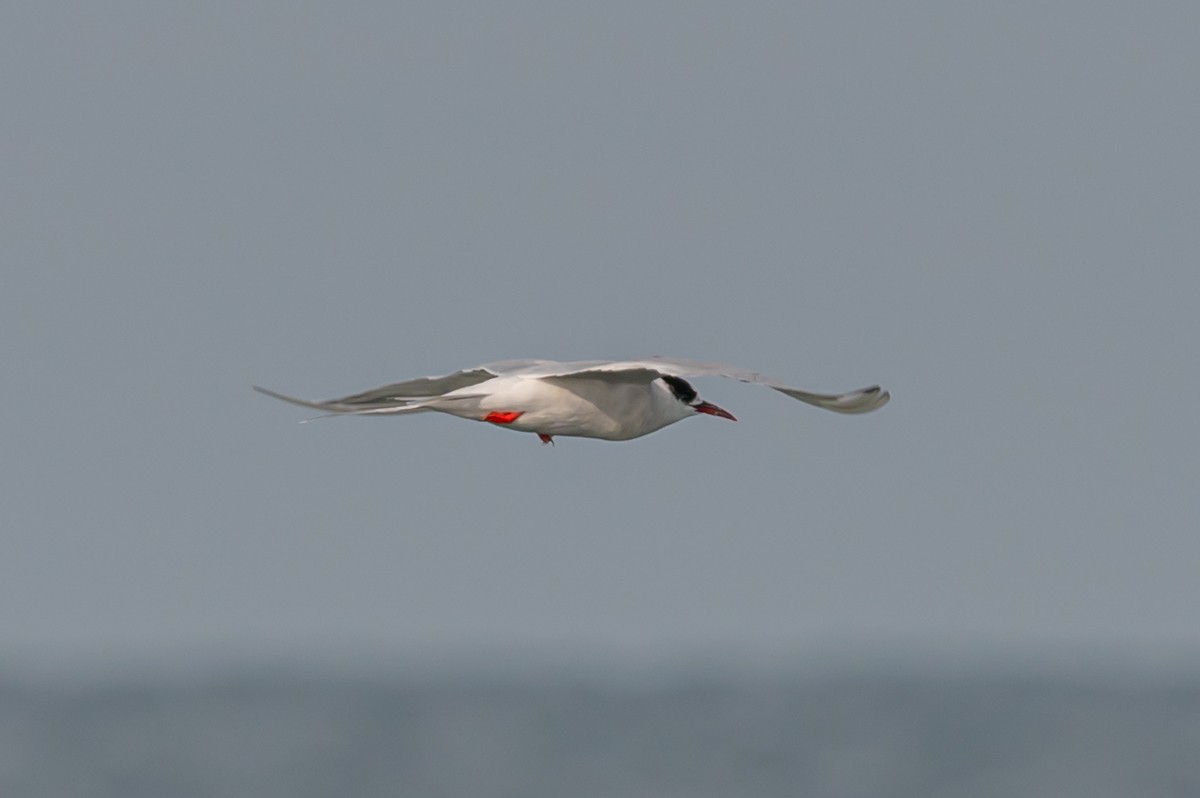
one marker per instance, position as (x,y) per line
(861,401)
(864,400)
(398,396)
(605,370)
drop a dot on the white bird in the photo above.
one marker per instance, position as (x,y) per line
(614,400)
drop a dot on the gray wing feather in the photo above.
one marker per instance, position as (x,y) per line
(397,397)
(863,400)
(339,407)
(419,388)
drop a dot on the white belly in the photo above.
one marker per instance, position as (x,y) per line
(577,407)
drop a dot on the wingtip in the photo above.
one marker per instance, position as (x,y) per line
(270,393)
(868,399)
(289,399)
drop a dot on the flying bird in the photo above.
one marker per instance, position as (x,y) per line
(614,400)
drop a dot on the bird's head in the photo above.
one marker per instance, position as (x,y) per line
(682,390)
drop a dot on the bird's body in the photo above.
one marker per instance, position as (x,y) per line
(579,407)
(611,400)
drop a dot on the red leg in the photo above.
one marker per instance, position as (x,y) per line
(546,438)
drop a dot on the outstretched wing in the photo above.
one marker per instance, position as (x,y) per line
(396,397)
(863,400)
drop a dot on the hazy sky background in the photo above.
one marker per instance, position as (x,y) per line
(991,209)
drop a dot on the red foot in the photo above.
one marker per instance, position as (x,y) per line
(546,438)
(502,416)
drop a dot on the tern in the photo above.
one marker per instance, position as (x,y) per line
(614,400)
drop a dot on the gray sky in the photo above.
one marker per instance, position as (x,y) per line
(992,210)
